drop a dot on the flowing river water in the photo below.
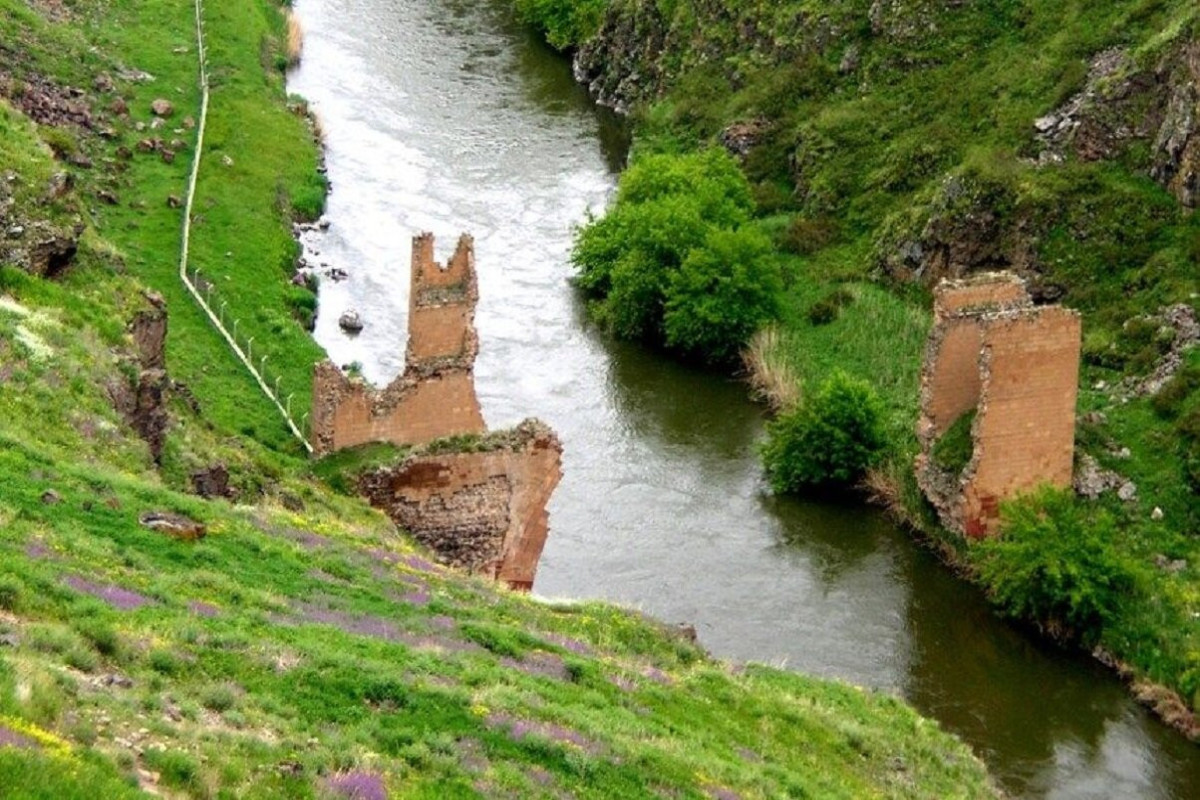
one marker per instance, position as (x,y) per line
(445,115)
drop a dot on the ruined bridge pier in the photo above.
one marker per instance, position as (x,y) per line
(483,510)
(1016,365)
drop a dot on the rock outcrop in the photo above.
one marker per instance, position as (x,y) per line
(1123,102)
(143,400)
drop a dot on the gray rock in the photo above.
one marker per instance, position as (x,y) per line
(350,322)
(174,525)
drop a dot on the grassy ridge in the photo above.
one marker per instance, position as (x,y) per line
(259,173)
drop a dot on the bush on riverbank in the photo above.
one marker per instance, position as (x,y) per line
(1056,564)
(564,23)
(831,438)
(674,262)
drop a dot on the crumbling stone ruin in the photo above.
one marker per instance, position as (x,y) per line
(142,401)
(478,501)
(1015,367)
(482,511)
(435,395)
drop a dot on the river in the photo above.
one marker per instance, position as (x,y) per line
(445,115)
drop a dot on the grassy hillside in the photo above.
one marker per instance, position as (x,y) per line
(291,653)
(302,647)
(889,145)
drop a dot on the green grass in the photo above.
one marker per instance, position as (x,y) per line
(953,450)
(334,647)
(241,238)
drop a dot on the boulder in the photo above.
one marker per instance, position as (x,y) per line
(174,525)
(350,322)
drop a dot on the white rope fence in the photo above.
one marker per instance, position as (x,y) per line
(217,318)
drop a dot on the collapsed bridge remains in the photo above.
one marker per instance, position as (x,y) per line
(1015,367)
(435,395)
(476,499)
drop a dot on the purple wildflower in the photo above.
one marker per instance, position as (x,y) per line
(541,776)
(202,609)
(746,754)
(543,665)
(519,729)
(364,625)
(722,793)
(470,755)
(39,551)
(657,675)
(357,785)
(420,597)
(115,596)
(386,556)
(10,738)
(622,682)
(418,563)
(567,643)
(443,622)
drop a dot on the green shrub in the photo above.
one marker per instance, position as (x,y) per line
(830,438)
(165,662)
(219,697)
(176,768)
(954,448)
(806,235)
(827,309)
(102,636)
(1055,563)
(11,589)
(303,304)
(1188,429)
(668,206)
(565,23)
(82,659)
(723,293)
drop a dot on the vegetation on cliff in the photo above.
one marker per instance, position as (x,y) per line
(278,639)
(890,144)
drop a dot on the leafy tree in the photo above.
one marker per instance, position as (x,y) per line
(566,23)
(829,439)
(677,231)
(1055,562)
(722,293)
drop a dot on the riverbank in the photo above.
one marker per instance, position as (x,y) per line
(861,143)
(269,638)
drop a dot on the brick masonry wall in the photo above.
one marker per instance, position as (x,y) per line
(484,512)
(1018,366)
(435,396)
